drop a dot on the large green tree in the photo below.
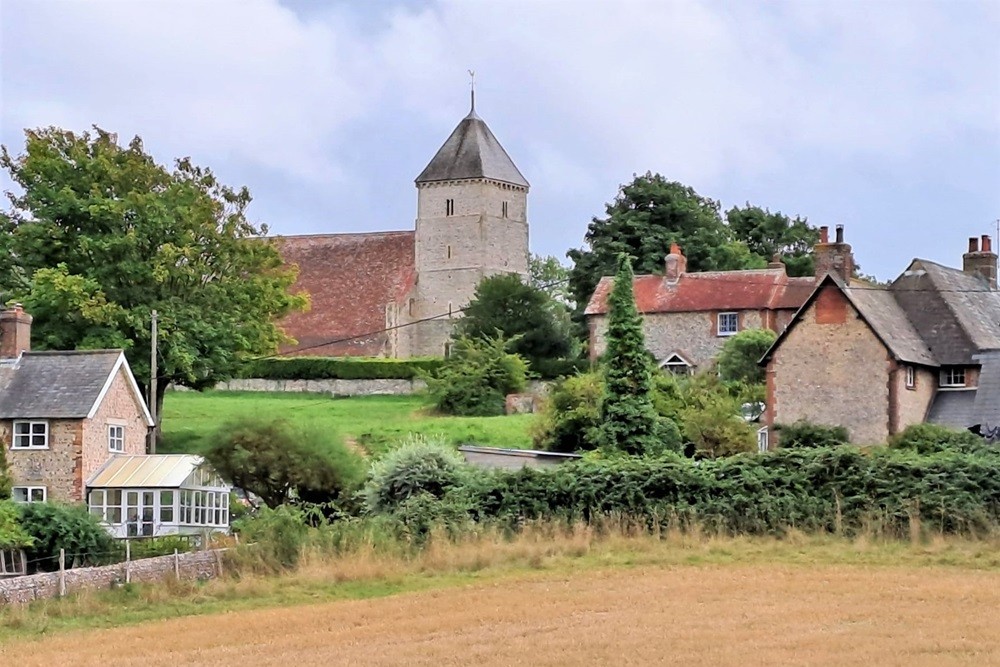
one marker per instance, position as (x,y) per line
(523,314)
(101,235)
(768,234)
(645,217)
(629,421)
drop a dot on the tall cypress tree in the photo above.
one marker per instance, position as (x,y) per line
(629,422)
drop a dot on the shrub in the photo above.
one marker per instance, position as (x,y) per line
(554,369)
(278,462)
(271,539)
(5,481)
(12,535)
(52,527)
(420,465)
(709,416)
(476,379)
(932,438)
(804,434)
(737,361)
(334,368)
(570,415)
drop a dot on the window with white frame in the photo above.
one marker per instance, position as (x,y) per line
(674,364)
(28,494)
(728,324)
(31,435)
(911,377)
(116,438)
(952,377)
(205,508)
(762,440)
(106,505)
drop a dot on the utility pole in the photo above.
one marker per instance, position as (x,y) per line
(152,386)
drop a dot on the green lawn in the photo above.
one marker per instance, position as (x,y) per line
(373,422)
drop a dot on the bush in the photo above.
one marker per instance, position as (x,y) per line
(419,466)
(12,535)
(804,434)
(272,539)
(832,489)
(52,527)
(5,481)
(554,369)
(278,462)
(933,438)
(739,355)
(475,380)
(570,415)
(334,368)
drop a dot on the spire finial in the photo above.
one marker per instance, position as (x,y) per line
(472,85)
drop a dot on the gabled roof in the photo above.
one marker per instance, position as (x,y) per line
(756,289)
(350,279)
(986,410)
(147,470)
(472,152)
(62,385)
(878,308)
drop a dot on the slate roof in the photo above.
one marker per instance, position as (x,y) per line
(55,385)
(955,409)
(471,152)
(888,320)
(350,279)
(986,410)
(756,289)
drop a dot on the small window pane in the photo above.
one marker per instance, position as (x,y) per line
(37,494)
(114,514)
(19,494)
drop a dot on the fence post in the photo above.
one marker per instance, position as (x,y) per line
(62,573)
(218,562)
(128,561)
(177,566)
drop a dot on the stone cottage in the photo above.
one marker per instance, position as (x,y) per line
(63,415)
(687,316)
(396,294)
(876,359)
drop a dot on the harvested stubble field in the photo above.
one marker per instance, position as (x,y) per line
(709,614)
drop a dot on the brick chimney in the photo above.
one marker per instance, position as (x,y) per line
(676,264)
(981,260)
(836,257)
(15,332)
(776,263)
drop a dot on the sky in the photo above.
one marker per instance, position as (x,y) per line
(882,116)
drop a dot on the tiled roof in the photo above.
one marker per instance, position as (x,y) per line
(350,278)
(472,152)
(887,319)
(987,407)
(55,385)
(711,290)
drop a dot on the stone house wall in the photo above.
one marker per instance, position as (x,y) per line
(692,334)
(832,370)
(912,405)
(58,468)
(195,565)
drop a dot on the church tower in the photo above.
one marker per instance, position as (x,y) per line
(471,223)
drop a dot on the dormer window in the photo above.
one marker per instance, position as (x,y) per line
(449,207)
(676,365)
(952,377)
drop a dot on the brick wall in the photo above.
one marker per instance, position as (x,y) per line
(194,565)
(119,407)
(835,373)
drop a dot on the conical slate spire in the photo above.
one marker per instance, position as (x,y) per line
(472,152)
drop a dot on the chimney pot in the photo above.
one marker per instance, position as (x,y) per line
(973,244)
(675,265)
(840,233)
(824,234)
(987,244)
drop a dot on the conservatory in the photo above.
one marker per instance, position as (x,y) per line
(160,494)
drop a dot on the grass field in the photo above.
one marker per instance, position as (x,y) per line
(574,600)
(373,422)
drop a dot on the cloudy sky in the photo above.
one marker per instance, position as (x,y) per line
(883,116)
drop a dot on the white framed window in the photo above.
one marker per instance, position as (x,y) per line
(952,377)
(911,377)
(728,324)
(674,364)
(28,494)
(762,440)
(116,438)
(31,435)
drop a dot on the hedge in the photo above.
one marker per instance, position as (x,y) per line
(367,368)
(338,368)
(838,489)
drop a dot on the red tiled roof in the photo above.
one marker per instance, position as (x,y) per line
(758,289)
(350,278)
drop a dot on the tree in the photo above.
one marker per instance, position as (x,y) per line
(548,275)
(645,217)
(102,235)
(475,380)
(769,234)
(571,415)
(277,462)
(523,314)
(629,421)
(737,361)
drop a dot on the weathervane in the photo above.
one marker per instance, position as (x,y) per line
(472,86)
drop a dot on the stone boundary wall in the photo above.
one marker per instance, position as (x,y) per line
(334,387)
(193,565)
